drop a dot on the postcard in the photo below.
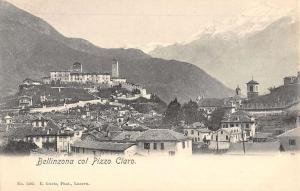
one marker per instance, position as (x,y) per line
(149,95)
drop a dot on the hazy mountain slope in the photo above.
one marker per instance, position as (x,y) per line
(268,54)
(29,47)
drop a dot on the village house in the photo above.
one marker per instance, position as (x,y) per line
(197,132)
(262,137)
(289,80)
(127,137)
(99,148)
(290,140)
(163,142)
(221,139)
(46,80)
(243,121)
(8,120)
(47,135)
(25,101)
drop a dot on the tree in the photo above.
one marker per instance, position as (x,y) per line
(19,147)
(173,113)
(216,118)
(191,113)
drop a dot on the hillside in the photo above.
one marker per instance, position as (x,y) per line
(268,54)
(280,95)
(29,47)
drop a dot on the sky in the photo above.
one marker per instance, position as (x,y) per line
(140,23)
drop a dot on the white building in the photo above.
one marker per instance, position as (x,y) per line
(115,69)
(290,140)
(82,78)
(163,142)
(8,120)
(242,120)
(221,139)
(25,101)
(48,135)
(197,134)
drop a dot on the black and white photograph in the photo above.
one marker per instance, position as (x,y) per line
(149,95)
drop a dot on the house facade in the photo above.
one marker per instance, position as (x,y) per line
(241,120)
(197,134)
(221,139)
(290,140)
(163,142)
(25,101)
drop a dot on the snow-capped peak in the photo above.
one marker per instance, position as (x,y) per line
(251,20)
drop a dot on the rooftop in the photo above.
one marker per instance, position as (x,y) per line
(239,116)
(252,82)
(104,146)
(161,135)
(291,133)
(210,102)
(127,136)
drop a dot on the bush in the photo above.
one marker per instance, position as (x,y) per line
(19,148)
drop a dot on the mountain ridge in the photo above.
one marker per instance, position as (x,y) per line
(30,50)
(268,54)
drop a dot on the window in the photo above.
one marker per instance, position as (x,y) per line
(192,132)
(183,145)
(251,88)
(146,145)
(247,125)
(154,146)
(231,125)
(292,142)
(162,146)
(77,149)
(227,137)
(221,132)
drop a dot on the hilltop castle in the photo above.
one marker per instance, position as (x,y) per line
(289,80)
(76,75)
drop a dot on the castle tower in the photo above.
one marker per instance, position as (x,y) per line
(252,89)
(238,91)
(115,69)
(77,67)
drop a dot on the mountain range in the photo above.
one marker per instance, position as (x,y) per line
(262,43)
(30,47)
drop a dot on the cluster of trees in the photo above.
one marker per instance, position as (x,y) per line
(190,113)
(18,148)
(187,112)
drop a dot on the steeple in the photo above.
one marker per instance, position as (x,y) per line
(252,89)
(238,90)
